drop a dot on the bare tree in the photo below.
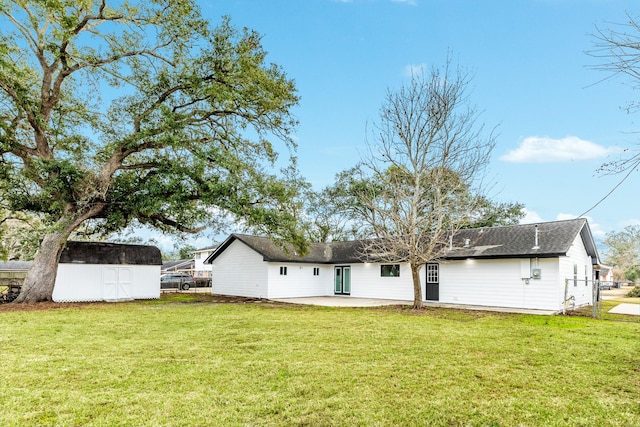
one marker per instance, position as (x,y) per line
(424,168)
(617,49)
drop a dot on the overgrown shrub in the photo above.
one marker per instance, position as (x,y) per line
(635,292)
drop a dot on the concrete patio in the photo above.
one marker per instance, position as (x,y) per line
(339,301)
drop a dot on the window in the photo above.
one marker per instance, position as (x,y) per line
(432,273)
(390,270)
(283,271)
(316,271)
(575,274)
(586,276)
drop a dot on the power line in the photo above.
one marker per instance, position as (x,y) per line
(632,169)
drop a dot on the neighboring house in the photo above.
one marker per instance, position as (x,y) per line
(98,271)
(202,270)
(605,274)
(12,273)
(178,266)
(543,266)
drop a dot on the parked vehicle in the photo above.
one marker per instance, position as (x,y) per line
(202,282)
(605,286)
(181,281)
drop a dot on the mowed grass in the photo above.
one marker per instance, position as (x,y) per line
(179,363)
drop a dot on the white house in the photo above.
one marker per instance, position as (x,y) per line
(202,270)
(97,271)
(536,266)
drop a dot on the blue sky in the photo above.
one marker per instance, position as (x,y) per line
(557,122)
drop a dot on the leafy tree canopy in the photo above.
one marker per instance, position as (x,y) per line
(117,113)
(624,252)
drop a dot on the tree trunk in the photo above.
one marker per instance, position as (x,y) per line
(417,286)
(41,278)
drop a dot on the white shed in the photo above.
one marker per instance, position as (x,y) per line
(98,271)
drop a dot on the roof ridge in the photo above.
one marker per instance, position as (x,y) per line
(526,224)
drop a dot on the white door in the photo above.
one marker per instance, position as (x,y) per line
(117,283)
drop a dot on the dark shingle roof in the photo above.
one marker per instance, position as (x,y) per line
(110,253)
(554,239)
(318,253)
(519,241)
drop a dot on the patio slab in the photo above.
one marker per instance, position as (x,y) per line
(337,301)
(626,308)
(343,301)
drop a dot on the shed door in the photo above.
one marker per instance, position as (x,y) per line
(433,282)
(117,283)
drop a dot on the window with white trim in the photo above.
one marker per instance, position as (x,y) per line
(432,273)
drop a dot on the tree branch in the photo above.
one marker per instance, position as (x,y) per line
(167,221)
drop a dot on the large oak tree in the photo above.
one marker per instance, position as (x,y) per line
(117,113)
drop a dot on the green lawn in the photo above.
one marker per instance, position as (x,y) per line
(172,363)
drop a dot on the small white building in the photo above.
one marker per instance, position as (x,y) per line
(97,271)
(546,266)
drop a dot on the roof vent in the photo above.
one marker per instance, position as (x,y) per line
(467,242)
(536,245)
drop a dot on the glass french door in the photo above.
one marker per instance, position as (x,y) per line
(342,280)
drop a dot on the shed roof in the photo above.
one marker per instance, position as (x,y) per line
(519,241)
(110,253)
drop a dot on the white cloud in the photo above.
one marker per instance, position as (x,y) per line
(565,216)
(414,69)
(409,2)
(535,149)
(596,229)
(628,222)
(530,217)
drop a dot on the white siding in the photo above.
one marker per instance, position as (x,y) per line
(499,283)
(366,282)
(299,280)
(106,282)
(239,271)
(200,268)
(577,255)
